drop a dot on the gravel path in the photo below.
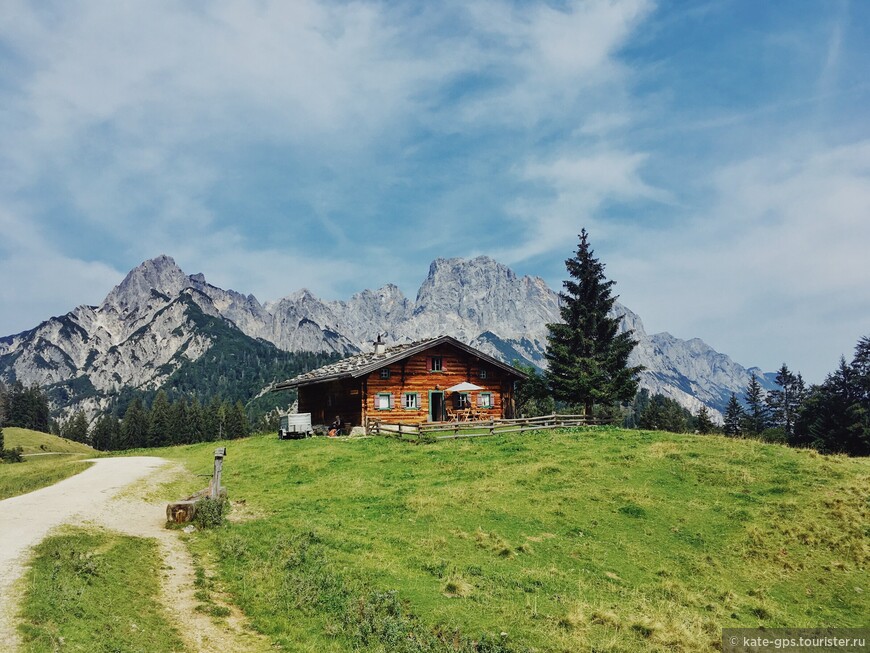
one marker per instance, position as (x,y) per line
(91,498)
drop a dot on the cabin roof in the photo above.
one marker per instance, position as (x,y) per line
(362,364)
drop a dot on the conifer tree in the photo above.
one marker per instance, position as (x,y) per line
(735,417)
(159,428)
(785,402)
(4,401)
(196,421)
(235,420)
(532,395)
(703,422)
(213,420)
(587,356)
(179,428)
(835,417)
(664,414)
(756,410)
(105,434)
(240,419)
(77,428)
(134,428)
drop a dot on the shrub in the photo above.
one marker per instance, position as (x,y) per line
(12,455)
(210,513)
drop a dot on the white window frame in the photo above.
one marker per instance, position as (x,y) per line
(384,395)
(416,401)
(480,397)
(436,367)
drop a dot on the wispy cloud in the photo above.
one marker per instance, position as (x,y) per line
(777,256)
(339,145)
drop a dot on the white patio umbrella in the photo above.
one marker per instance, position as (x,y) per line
(465,386)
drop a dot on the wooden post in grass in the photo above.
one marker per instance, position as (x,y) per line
(215,489)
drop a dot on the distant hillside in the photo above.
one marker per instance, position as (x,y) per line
(36,442)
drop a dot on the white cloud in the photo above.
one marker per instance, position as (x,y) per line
(778,256)
(551,58)
(578,186)
(38,280)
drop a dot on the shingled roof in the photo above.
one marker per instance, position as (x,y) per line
(362,364)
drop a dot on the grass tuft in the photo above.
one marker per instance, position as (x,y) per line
(74,577)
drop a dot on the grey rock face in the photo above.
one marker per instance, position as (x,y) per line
(139,334)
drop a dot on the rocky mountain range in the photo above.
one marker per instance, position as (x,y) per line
(151,325)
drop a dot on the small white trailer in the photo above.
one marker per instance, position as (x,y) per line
(295,425)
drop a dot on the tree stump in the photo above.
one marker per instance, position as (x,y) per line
(180,511)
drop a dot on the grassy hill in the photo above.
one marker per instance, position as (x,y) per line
(605,540)
(36,442)
(40,468)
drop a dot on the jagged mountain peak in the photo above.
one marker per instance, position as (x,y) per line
(301,295)
(462,266)
(159,274)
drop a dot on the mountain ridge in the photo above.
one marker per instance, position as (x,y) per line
(143,331)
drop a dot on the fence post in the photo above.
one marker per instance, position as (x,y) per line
(219,454)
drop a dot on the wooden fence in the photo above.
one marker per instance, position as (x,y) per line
(450,430)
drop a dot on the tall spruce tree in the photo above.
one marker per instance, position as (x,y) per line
(179,428)
(134,428)
(587,356)
(785,402)
(703,422)
(835,417)
(77,428)
(160,427)
(106,432)
(196,421)
(735,417)
(756,409)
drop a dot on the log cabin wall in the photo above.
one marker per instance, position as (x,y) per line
(326,400)
(415,375)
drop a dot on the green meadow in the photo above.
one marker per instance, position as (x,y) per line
(587,539)
(91,590)
(57,459)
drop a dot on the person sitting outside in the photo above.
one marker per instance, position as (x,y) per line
(335,427)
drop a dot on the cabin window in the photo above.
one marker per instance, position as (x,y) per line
(384,401)
(385,373)
(484,400)
(411,401)
(435,364)
(482,373)
(462,400)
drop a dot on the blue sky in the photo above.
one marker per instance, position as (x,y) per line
(717,152)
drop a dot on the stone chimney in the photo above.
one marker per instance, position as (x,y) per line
(380,347)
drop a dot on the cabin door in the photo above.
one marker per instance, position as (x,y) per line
(436,406)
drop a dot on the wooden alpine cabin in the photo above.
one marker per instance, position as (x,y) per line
(434,380)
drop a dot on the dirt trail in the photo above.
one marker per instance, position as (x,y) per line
(95,497)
